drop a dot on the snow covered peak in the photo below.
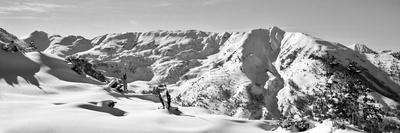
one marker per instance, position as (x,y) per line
(64,46)
(362,48)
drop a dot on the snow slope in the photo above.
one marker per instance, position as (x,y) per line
(304,73)
(251,75)
(362,48)
(40,93)
(63,46)
(244,74)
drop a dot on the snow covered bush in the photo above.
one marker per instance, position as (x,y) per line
(295,123)
(345,99)
(396,55)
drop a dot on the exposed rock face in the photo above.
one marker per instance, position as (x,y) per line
(81,66)
(260,74)
(7,38)
(39,38)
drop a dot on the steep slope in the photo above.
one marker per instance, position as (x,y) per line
(303,63)
(263,79)
(362,48)
(35,69)
(387,60)
(242,80)
(6,38)
(39,38)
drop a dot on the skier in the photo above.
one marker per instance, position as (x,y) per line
(158,93)
(125,83)
(168,99)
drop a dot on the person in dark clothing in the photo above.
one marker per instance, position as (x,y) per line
(168,99)
(124,82)
(112,104)
(119,88)
(157,91)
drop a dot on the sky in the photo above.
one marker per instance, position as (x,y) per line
(375,23)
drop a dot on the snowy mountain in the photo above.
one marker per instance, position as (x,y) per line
(362,48)
(260,74)
(245,74)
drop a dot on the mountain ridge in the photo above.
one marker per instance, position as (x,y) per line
(261,69)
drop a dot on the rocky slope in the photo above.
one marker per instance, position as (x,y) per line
(362,48)
(6,38)
(258,74)
(39,38)
(388,61)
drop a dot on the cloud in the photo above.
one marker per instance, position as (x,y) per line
(134,22)
(163,4)
(20,17)
(29,7)
(212,2)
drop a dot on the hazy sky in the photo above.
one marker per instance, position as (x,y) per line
(372,22)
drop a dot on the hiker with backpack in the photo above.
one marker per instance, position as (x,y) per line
(157,91)
(168,99)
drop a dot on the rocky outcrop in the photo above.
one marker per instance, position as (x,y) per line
(8,38)
(82,67)
(38,38)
